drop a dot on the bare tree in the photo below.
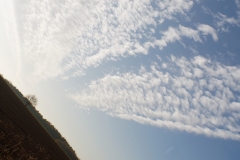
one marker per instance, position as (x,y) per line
(32,100)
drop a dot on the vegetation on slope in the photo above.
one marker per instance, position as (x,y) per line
(61,141)
(17,145)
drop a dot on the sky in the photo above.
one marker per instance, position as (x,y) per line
(130,79)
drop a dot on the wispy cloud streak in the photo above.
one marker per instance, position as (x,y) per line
(11,29)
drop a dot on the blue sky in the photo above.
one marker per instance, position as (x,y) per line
(132,79)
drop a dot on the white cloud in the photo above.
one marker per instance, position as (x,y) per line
(67,37)
(222,21)
(172,7)
(175,34)
(190,33)
(204,103)
(206,29)
(237,3)
(198,72)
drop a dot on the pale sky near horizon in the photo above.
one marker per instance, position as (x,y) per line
(126,79)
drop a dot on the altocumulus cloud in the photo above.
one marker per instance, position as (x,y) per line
(64,38)
(195,95)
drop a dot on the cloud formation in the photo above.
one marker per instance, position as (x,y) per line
(176,34)
(67,37)
(222,21)
(198,95)
(195,95)
(206,29)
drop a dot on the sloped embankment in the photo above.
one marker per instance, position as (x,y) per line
(21,135)
(54,133)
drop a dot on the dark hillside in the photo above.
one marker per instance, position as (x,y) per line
(21,135)
(46,124)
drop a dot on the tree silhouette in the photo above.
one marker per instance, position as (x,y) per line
(31,100)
